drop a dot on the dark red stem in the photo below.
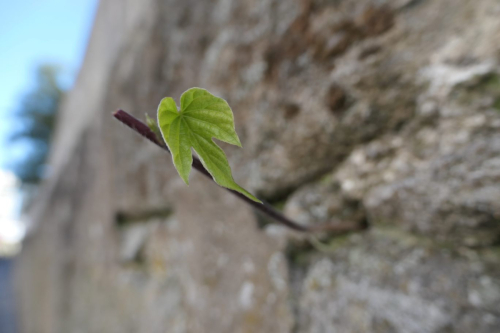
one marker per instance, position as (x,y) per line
(265,208)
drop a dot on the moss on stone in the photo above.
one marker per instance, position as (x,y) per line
(484,86)
(496,104)
(490,81)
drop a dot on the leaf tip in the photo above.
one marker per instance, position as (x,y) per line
(255,199)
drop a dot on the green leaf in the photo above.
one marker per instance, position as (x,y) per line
(202,116)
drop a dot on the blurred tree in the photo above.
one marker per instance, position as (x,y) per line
(35,121)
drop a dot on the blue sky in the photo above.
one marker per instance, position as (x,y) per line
(34,32)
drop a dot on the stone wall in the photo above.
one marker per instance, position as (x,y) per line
(381,112)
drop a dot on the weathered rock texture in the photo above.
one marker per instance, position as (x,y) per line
(381,112)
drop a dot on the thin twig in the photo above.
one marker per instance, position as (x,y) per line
(337,228)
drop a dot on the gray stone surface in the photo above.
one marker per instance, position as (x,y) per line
(390,281)
(380,112)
